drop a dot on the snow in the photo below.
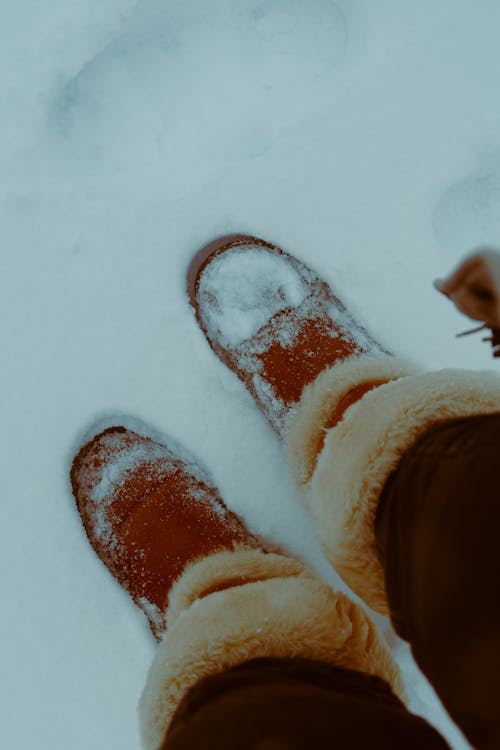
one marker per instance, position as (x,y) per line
(154,613)
(125,460)
(120,459)
(241,290)
(362,137)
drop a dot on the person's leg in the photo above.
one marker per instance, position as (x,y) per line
(431,484)
(295,704)
(214,594)
(446,564)
(437,538)
(347,410)
(233,607)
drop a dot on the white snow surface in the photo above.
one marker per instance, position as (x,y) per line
(363,137)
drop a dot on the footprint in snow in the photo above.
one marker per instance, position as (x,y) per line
(468,214)
(295,41)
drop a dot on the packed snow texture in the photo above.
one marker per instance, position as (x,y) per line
(118,459)
(241,290)
(362,137)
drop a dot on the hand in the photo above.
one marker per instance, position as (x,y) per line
(474,287)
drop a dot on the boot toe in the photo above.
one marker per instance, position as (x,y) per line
(100,475)
(241,289)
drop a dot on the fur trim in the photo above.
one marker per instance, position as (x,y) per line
(241,565)
(320,399)
(284,614)
(342,485)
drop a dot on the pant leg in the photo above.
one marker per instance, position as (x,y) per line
(437,531)
(233,607)
(295,704)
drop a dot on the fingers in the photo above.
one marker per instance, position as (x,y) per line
(458,277)
(475,307)
(468,305)
(438,284)
(474,287)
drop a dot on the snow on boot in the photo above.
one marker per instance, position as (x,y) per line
(149,510)
(272,320)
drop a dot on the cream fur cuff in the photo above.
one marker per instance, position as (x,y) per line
(278,609)
(342,471)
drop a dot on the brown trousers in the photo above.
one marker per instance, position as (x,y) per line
(436,527)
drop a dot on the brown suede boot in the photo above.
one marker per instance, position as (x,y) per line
(272,320)
(148,513)
(216,596)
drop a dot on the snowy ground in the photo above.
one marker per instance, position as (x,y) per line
(363,137)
